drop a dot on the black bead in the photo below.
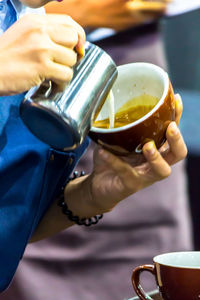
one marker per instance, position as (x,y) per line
(68,213)
(82,173)
(75,174)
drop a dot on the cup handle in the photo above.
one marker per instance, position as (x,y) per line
(136,280)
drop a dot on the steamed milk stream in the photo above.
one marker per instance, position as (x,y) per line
(130,112)
(111,107)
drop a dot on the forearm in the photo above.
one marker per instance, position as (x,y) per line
(77,12)
(78,199)
(52,222)
(118,15)
(113,180)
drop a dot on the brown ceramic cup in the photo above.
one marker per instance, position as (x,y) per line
(133,80)
(177,275)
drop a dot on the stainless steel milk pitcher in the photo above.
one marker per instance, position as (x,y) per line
(63,119)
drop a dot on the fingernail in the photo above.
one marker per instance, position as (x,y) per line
(178,96)
(81,51)
(150,148)
(173,130)
(178,100)
(80,47)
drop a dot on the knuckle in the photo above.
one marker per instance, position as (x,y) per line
(73,58)
(82,32)
(155,157)
(118,183)
(166,173)
(183,153)
(43,62)
(73,37)
(41,70)
(36,37)
(42,54)
(68,75)
(177,137)
(68,19)
(34,23)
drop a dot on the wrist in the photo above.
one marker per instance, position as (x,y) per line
(78,197)
(85,212)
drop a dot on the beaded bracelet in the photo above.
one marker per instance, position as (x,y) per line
(69,214)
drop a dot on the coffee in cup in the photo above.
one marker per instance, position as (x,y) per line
(144,105)
(130,112)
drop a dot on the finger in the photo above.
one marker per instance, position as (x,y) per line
(120,23)
(58,73)
(109,4)
(163,1)
(178,108)
(66,21)
(157,163)
(65,36)
(147,6)
(178,149)
(64,56)
(127,179)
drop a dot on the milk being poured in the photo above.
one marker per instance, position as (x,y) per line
(129,112)
(111,109)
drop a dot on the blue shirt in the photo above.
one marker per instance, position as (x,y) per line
(31,172)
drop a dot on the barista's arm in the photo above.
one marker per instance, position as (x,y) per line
(55,221)
(116,14)
(112,180)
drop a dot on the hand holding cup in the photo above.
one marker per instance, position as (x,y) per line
(144,98)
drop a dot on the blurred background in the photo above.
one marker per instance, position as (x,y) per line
(93,264)
(182,46)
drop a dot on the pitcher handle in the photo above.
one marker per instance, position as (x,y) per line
(136,280)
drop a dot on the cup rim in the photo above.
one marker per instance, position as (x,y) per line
(157,258)
(160,102)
